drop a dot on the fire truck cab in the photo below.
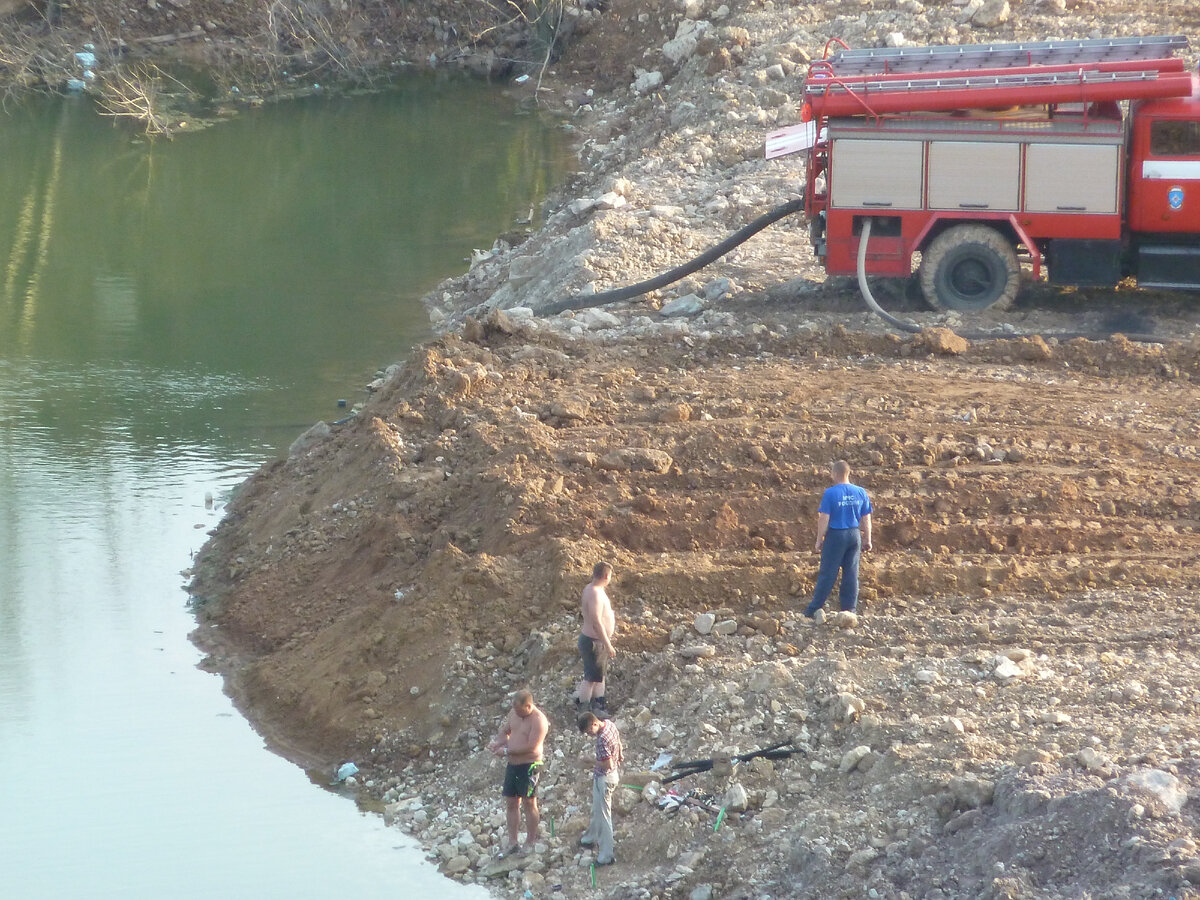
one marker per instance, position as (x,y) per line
(1081,158)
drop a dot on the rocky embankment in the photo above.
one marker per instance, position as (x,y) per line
(1002,694)
(1014,714)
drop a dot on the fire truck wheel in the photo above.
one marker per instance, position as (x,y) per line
(970,267)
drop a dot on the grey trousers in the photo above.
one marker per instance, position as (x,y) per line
(600,830)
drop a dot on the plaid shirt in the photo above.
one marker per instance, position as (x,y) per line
(608,746)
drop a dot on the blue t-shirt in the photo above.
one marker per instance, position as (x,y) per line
(845,504)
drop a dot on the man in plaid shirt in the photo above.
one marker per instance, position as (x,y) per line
(605,777)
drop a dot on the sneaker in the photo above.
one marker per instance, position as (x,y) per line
(819,617)
(846,619)
(606,862)
(586,842)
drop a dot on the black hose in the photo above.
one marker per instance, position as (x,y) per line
(586,301)
(743,234)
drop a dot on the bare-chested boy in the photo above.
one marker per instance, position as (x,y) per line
(595,643)
(520,739)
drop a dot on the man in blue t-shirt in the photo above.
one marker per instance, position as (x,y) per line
(843,532)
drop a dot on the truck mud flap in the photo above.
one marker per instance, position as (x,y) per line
(1084,263)
(1171,266)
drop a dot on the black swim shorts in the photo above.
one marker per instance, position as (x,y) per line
(520,779)
(594,664)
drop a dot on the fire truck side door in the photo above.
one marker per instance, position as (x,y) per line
(1164,177)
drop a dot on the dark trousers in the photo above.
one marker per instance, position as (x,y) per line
(840,552)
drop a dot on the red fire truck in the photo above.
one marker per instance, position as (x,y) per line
(1081,158)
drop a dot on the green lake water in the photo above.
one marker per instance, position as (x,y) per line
(172,314)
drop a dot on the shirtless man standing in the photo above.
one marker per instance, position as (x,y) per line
(595,644)
(520,739)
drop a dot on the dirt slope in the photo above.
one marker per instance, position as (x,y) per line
(396,578)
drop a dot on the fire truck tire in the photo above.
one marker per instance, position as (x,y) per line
(970,267)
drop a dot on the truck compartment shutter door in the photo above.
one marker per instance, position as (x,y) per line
(974,175)
(877,174)
(1072,178)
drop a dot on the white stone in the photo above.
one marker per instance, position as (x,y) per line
(457,865)
(716,289)
(646,82)
(1054,717)
(683,45)
(971,791)
(851,758)
(611,200)
(769,677)
(1090,759)
(846,619)
(736,798)
(704,622)
(625,799)
(1164,786)
(849,707)
(687,305)
(314,435)
(991,13)
(1006,670)
(596,318)
(582,205)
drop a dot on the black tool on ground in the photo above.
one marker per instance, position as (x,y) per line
(782,750)
(673,802)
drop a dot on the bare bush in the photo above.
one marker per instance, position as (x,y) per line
(140,93)
(30,59)
(302,29)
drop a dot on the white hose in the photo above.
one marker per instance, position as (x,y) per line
(865,289)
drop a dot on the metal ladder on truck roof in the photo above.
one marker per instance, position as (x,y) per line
(875,82)
(955,58)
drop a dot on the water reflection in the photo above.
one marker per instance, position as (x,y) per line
(172,314)
(290,240)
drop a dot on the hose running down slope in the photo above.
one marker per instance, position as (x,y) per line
(743,234)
